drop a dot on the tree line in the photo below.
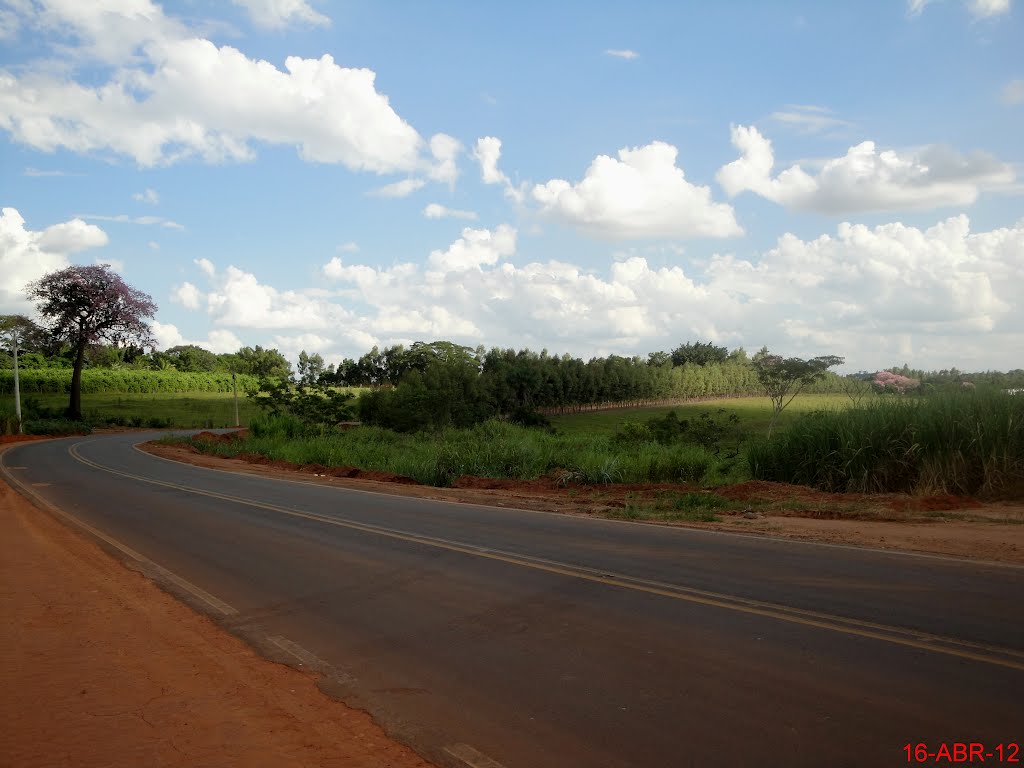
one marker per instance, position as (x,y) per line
(93,318)
(443,384)
(43,354)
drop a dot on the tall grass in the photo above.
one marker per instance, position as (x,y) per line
(967,443)
(493,449)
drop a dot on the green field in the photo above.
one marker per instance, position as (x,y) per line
(754,413)
(194,409)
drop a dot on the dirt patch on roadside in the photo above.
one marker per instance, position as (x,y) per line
(101,668)
(946,525)
(5,439)
(763,491)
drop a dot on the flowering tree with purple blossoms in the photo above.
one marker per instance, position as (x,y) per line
(82,306)
(887,381)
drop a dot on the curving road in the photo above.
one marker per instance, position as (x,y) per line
(496,637)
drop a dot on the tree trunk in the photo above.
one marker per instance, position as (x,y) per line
(75,406)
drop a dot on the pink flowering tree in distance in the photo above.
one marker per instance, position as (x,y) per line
(82,306)
(887,381)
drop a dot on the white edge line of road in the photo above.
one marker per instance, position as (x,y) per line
(474,758)
(215,605)
(464,753)
(641,523)
(305,658)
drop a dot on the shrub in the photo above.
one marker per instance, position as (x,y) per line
(55,427)
(713,431)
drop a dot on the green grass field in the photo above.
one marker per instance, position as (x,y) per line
(754,413)
(195,409)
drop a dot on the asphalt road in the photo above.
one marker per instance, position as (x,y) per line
(479,634)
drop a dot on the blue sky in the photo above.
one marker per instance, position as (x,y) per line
(589,178)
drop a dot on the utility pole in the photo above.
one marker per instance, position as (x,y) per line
(17,388)
(234,385)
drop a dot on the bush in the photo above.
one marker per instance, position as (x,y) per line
(55,427)
(633,434)
(276,426)
(711,431)
(529,417)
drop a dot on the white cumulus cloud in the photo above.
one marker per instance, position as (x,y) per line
(621,53)
(890,279)
(172,95)
(445,150)
(476,248)
(642,194)
(218,340)
(238,299)
(864,179)
(187,295)
(27,255)
(487,152)
(935,297)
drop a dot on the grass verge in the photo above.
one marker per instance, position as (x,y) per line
(493,449)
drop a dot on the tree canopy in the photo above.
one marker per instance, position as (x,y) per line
(85,305)
(699,353)
(785,377)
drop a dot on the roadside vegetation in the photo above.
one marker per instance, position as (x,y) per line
(960,442)
(492,449)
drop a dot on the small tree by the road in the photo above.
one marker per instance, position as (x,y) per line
(783,378)
(17,332)
(88,305)
(855,388)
